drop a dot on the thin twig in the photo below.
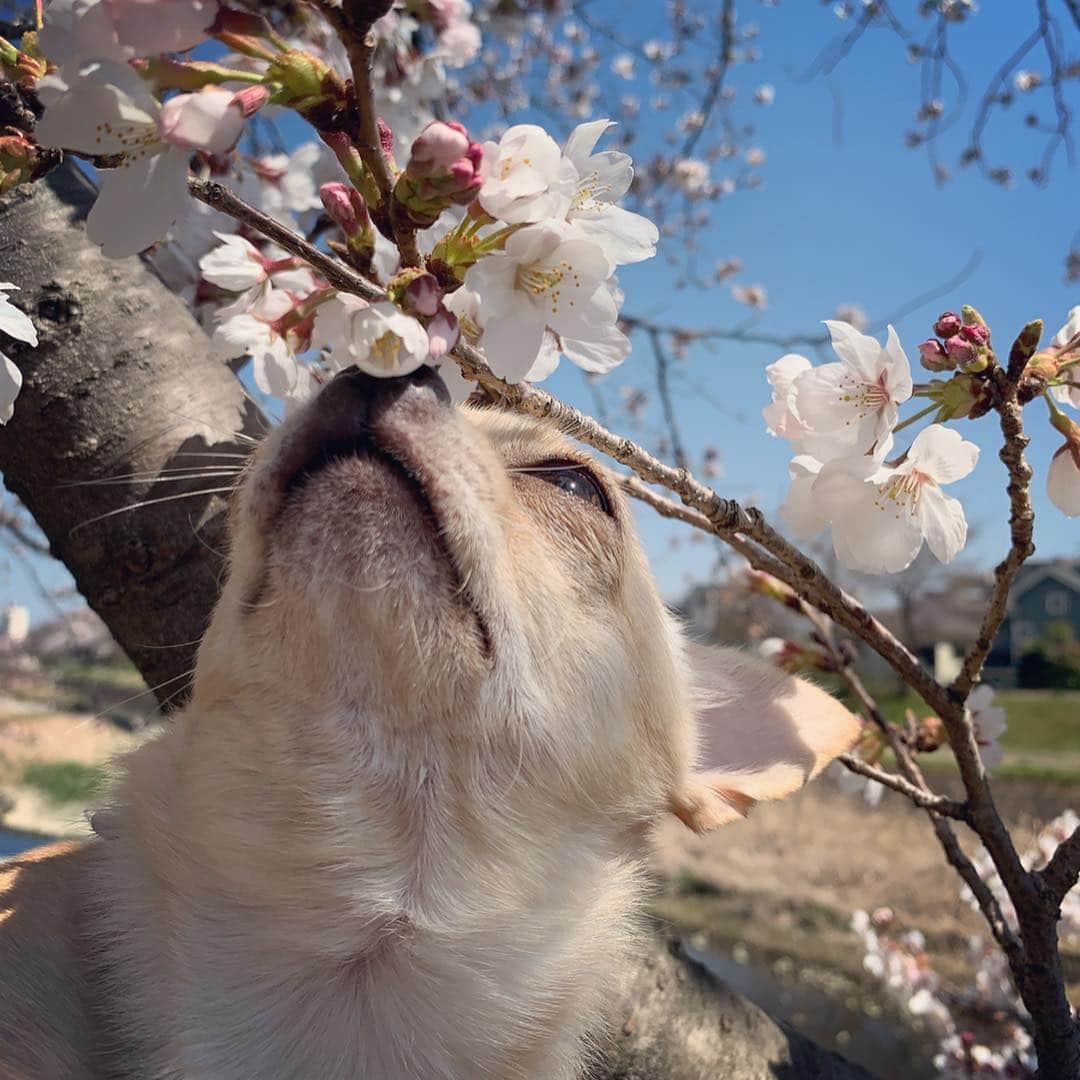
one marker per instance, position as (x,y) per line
(663,387)
(353,21)
(939,804)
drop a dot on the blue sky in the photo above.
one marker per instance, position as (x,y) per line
(861,221)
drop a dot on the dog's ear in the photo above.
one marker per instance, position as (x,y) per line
(762,734)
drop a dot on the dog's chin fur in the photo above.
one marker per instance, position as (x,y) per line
(398,830)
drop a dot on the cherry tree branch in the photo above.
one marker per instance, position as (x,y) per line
(939,804)
(1021,525)
(353,20)
(1060,874)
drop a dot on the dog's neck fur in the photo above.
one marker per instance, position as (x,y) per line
(380,945)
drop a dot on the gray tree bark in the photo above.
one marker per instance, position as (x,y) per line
(122,383)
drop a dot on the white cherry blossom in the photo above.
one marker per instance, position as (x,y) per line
(780,417)
(290,182)
(237,265)
(108,109)
(1068,333)
(602,179)
(527,177)
(1063,479)
(853,404)
(76,31)
(16,324)
(881,514)
(377,338)
(548,277)
(251,326)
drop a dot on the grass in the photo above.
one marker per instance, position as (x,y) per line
(1042,741)
(118,674)
(65,781)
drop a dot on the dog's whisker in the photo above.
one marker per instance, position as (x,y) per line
(153,478)
(142,693)
(152,502)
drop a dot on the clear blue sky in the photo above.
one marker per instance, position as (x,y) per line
(860,222)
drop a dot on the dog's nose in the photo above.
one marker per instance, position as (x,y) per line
(379,392)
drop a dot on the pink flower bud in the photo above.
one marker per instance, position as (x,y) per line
(423,295)
(251,99)
(209,120)
(438,147)
(386,137)
(443,333)
(346,207)
(976,334)
(948,325)
(933,355)
(959,349)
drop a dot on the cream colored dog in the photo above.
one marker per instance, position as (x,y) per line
(398,830)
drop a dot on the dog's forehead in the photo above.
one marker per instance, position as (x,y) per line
(518,438)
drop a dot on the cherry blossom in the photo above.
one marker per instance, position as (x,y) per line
(76,31)
(528,179)
(377,338)
(603,178)
(548,276)
(853,404)
(1063,477)
(780,416)
(237,265)
(989,724)
(881,514)
(1068,335)
(16,324)
(110,110)
(252,326)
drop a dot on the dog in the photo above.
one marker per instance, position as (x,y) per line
(398,830)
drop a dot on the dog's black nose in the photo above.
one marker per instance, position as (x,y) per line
(379,391)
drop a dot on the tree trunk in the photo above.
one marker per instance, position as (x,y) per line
(121,383)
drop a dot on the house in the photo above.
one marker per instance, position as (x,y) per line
(1044,593)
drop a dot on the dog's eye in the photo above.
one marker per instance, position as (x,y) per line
(574,480)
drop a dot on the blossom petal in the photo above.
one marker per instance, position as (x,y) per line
(599,356)
(943,522)
(801,510)
(10,385)
(547,360)
(942,453)
(582,141)
(624,237)
(138,203)
(16,323)
(106,111)
(512,346)
(1069,330)
(1063,481)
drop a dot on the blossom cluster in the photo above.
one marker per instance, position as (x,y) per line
(901,962)
(841,419)
(519,240)
(1035,857)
